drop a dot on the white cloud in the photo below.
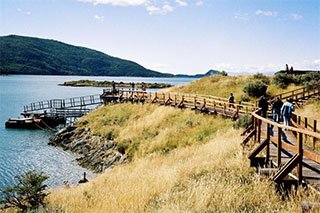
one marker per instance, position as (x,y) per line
(166,8)
(24,12)
(266,13)
(99,18)
(182,3)
(243,17)
(296,16)
(152,7)
(199,3)
(118,2)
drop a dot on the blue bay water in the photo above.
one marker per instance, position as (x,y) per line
(24,150)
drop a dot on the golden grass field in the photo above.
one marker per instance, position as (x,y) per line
(181,161)
(311,109)
(222,86)
(210,177)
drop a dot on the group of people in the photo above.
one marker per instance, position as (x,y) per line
(132,84)
(279,109)
(289,71)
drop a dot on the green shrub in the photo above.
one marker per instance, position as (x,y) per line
(262,78)
(255,89)
(282,80)
(28,194)
(244,98)
(243,122)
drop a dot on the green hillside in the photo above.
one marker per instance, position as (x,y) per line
(27,55)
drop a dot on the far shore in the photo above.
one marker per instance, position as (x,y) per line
(92,83)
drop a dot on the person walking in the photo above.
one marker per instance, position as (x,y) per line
(276,109)
(263,104)
(113,87)
(286,111)
(231,100)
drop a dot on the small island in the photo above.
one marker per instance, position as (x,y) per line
(92,83)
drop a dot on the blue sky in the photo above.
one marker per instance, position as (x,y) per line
(179,36)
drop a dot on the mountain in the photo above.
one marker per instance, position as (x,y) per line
(209,73)
(28,55)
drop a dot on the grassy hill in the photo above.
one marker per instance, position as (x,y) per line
(222,86)
(180,161)
(27,55)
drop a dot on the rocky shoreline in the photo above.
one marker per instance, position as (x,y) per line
(97,153)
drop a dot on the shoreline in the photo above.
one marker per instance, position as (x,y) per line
(121,84)
(96,153)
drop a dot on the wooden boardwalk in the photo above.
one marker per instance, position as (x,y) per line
(288,152)
(310,169)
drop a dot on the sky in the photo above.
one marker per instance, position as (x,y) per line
(179,36)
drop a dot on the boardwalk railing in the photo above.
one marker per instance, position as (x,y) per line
(63,103)
(298,148)
(204,103)
(300,93)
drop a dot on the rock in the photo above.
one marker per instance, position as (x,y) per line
(97,153)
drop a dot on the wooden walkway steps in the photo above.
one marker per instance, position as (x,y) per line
(293,150)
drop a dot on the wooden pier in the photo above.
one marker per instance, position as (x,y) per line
(51,113)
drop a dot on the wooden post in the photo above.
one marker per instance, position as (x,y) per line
(300,152)
(175,100)
(268,145)
(315,130)
(306,122)
(279,147)
(259,130)
(255,128)
(195,102)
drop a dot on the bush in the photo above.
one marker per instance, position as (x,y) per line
(28,194)
(282,80)
(244,98)
(264,79)
(255,89)
(243,122)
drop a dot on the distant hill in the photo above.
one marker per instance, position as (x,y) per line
(27,55)
(209,73)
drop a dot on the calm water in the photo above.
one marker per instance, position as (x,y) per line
(23,150)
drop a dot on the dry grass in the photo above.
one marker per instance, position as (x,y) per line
(211,177)
(222,86)
(311,109)
(146,129)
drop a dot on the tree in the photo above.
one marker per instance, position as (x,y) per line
(28,193)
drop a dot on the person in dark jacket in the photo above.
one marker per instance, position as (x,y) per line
(231,100)
(263,104)
(276,109)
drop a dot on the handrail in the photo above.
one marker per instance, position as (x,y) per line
(292,92)
(298,149)
(303,131)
